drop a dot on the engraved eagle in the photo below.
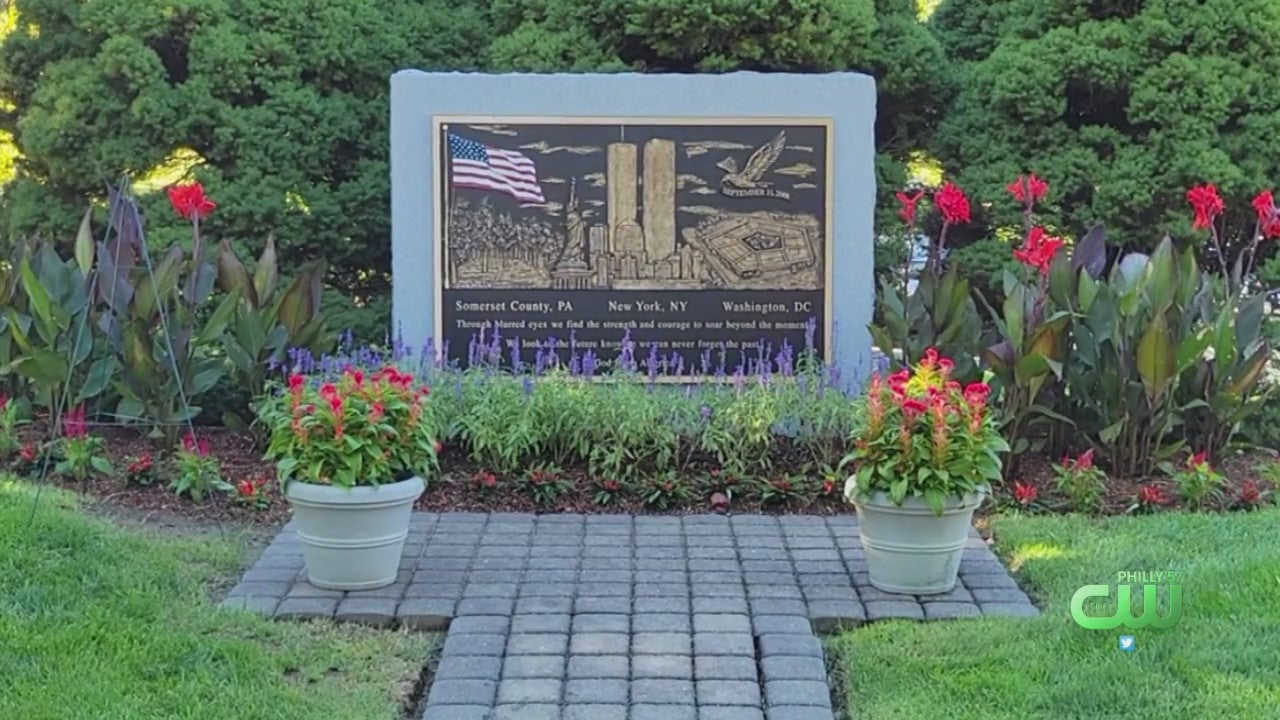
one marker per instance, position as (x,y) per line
(759,163)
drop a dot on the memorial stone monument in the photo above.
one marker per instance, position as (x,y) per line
(695,213)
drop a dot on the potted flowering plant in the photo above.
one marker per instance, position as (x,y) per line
(351,452)
(923,462)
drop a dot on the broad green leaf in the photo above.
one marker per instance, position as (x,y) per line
(216,325)
(18,328)
(1030,367)
(98,379)
(1249,322)
(267,274)
(84,243)
(157,285)
(935,499)
(1160,286)
(1157,361)
(1061,275)
(41,306)
(1192,348)
(1014,316)
(45,367)
(1248,373)
(232,275)
(1087,291)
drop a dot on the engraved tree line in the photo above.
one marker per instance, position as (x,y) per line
(479,233)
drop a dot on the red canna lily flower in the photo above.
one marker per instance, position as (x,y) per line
(189,201)
(1038,250)
(1028,189)
(952,203)
(908,210)
(1206,203)
(1025,493)
(1264,205)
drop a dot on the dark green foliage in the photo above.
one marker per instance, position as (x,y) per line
(983,264)
(1123,104)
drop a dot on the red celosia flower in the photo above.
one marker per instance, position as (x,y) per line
(1085,461)
(1037,250)
(194,446)
(930,358)
(976,394)
(375,412)
(1199,461)
(908,210)
(952,203)
(328,390)
(1028,189)
(296,381)
(73,423)
(913,408)
(828,487)
(246,488)
(29,453)
(1025,493)
(1150,494)
(189,201)
(335,403)
(4,402)
(946,365)
(358,377)
(1206,203)
(610,485)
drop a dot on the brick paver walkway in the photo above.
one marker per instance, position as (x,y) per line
(617,617)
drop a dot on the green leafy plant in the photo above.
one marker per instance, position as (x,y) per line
(165,354)
(665,490)
(197,473)
(784,489)
(350,429)
(1150,498)
(925,437)
(10,421)
(607,492)
(268,321)
(545,484)
(1197,481)
(82,455)
(1251,495)
(1082,482)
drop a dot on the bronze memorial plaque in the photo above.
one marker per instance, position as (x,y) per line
(705,242)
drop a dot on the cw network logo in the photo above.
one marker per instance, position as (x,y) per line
(1123,614)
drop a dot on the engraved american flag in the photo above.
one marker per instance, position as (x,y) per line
(474,165)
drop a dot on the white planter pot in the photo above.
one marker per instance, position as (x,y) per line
(910,548)
(352,538)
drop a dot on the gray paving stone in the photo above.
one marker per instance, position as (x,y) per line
(544,605)
(541,623)
(661,644)
(375,612)
(790,645)
(599,622)
(426,614)
(595,712)
(999,595)
(720,605)
(661,622)
(526,711)
(724,712)
(724,643)
(797,692)
(260,588)
(306,608)
(477,644)
(526,667)
(603,605)
(956,594)
(767,624)
(729,692)
(1009,609)
(888,609)
(525,691)
(948,610)
(799,712)
(468,667)
(829,616)
(598,691)
(778,606)
(537,644)
(676,667)
(457,712)
(599,643)
(782,667)
(485,606)
(662,605)
(662,692)
(304,589)
(461,692)
(451,591)
(725,667)
(721,622)
(599,666)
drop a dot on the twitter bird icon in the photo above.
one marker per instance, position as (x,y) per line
(1126,643)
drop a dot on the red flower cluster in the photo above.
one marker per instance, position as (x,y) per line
(1028,189)
(1038,250)
(1199,462)
(610,485)
(74,424)
(139,466)
(1250,493)
(1082,463)
(251,488)
(189,201)
(828,487)
(484,480)
(908,210)
(1151,495)
(1025,493)
(29,453)
(1264,205)
(952,203)
(1206,203)
(196,447)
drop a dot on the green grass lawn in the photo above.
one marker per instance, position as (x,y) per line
(1221,661)
(102,622)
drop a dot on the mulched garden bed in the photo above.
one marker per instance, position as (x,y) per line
(240,459)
